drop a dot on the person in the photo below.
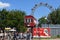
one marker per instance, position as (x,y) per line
(15,34)
(21,35)
(1,35)
(9,36)
(28,35)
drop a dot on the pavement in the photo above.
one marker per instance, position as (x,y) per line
(48,39)
(39,39)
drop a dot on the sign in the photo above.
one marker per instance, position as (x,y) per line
(41,32)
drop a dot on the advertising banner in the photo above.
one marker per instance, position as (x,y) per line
(41,32)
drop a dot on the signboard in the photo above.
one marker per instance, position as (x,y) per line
(41,32)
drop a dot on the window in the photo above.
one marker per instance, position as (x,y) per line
(28,20)
(31,20)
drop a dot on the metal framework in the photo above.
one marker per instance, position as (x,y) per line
(41,4)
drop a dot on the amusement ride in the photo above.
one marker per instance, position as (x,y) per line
(30,21)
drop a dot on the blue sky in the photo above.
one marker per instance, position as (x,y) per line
(27,5)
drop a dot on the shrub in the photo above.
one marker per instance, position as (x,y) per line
(58,36)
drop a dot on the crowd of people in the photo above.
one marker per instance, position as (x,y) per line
(15,35)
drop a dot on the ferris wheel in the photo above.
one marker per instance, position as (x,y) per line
(30,20)
(41,4)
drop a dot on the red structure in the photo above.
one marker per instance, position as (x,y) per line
(41,32)
(29,21)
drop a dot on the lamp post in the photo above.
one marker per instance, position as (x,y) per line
(47,21)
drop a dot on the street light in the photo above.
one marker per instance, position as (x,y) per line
(47,21)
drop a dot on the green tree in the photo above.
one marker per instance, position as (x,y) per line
(13,18)
(54,16)
(3,15)
(42,20)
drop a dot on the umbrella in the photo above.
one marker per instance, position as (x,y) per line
(7,28)
(12,30)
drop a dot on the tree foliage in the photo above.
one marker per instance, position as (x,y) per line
(52,18)
(42,20)
(12,18)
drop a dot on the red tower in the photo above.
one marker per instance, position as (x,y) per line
(29,21)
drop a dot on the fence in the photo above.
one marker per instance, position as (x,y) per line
(55,29)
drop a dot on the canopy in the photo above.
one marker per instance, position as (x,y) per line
(7,28)
(12,30)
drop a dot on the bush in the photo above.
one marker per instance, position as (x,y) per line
(58,36)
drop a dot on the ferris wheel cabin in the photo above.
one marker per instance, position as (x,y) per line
(29,21)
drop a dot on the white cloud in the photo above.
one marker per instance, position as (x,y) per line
(3,5)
